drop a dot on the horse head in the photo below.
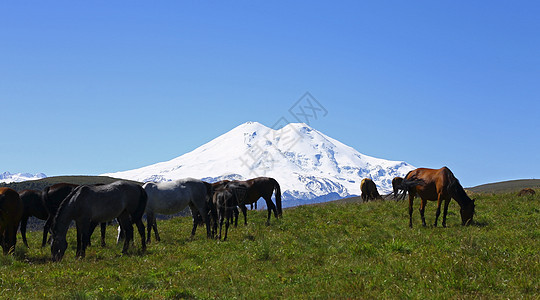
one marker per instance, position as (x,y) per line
(467,213)
(58,248)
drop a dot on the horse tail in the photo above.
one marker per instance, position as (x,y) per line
(407,184)
(141,207)
(209,191)
(45,198)
(278,196)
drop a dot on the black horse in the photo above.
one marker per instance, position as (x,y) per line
(90,205)
(225,201)
(33,207)
(52,198)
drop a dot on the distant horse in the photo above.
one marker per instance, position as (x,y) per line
(255,188)
(219,185)
(33,207)
(52,198)
(174,196)
(11,211)
(437,185)
(224,200)
(526,191)
(90,205)
(396,183)
(369,190)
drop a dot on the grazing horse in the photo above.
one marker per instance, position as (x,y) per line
(251,190)
(437,185)
(174,196)
(526,191)
(225,201)
(33,207)
(90,205)
(221,185)
(396,183)
(52,198)
(11,211)
(369,190)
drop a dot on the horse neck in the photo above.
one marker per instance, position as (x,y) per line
(64,217)
(458,193)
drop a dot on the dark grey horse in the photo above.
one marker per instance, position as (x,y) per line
(91,205)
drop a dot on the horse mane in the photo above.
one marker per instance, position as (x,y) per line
(457,191)
(63,205)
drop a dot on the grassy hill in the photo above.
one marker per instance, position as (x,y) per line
(512,186)
(336,250)
(40,184)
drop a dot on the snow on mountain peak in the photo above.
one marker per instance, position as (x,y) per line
(8,177)
(309,165)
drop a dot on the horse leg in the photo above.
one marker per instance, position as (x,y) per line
(125,224)
(244,212)
(103,229)
(149,224)
(195,214)
(411,200)
(91,231)
(446,202)
(46,230)
(438,213)
(228,214)
(422,209)
(272,206)
(140,227)
(24,222)
(12,238)
(221,217)
(79,240)
(236,213)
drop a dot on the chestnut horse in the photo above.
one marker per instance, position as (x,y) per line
(251,190)
(11,211)
(437,185)
(369,190)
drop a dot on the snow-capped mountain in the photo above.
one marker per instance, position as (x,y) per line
(19,177)
(309,166)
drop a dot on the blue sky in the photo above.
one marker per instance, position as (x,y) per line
(93,87)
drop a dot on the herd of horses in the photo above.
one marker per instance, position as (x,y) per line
(127,202)
(429,184)
(210,204)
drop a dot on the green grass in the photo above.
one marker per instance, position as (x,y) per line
(333,251)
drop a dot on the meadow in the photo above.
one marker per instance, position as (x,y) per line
(335,250)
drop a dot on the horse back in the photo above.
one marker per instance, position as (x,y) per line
(11,206)
(434,182)
(33,204)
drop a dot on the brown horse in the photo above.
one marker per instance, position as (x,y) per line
(11,211)
(437,185)
(251,190)
(526,191)
(369,190)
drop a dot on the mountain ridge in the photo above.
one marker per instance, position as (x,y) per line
(308,164)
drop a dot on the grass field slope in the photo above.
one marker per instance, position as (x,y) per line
(336,250)
(511,186)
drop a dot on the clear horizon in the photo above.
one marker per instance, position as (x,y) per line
(92,88)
